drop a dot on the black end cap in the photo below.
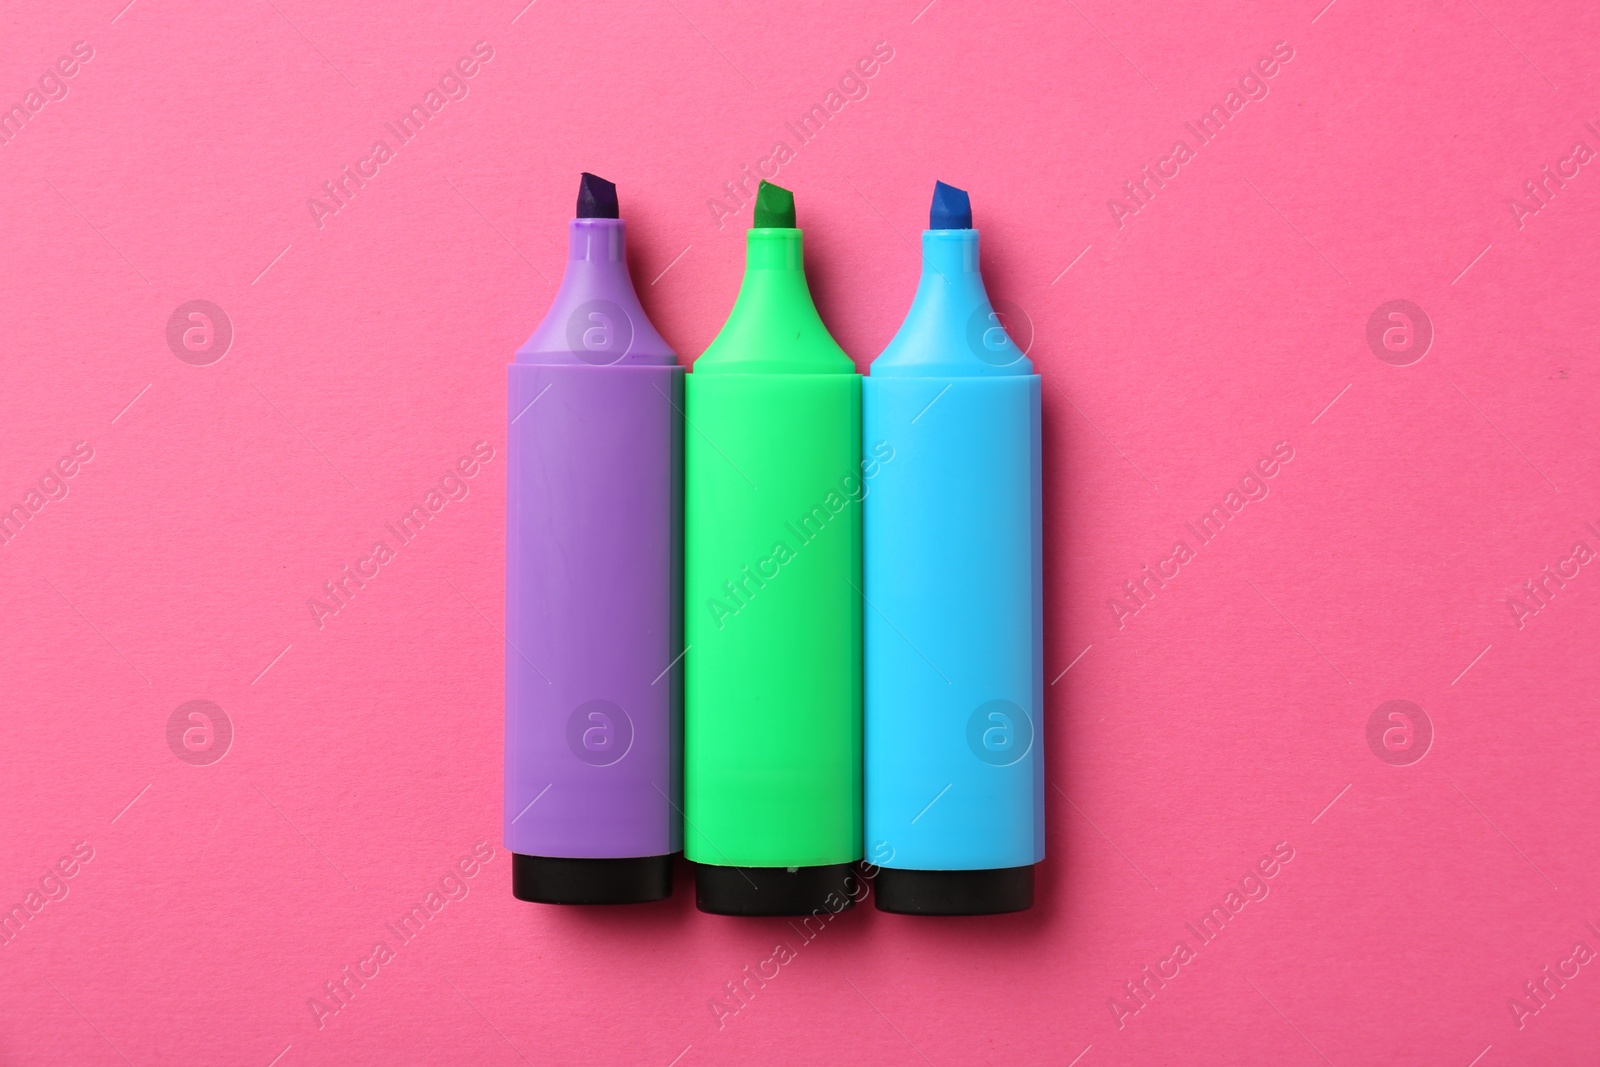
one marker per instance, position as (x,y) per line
(559,880)
(990,892)
(597,198)
(776,890)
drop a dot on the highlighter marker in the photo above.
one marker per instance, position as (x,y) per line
(954,757)
(593,615)
(772,600)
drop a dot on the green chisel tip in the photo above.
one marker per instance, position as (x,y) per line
(774,207)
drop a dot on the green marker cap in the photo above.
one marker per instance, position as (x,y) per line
(774,327)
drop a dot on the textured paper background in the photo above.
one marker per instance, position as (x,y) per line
(1228,715)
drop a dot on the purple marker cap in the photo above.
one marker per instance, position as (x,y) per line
(596,319)
(593,778)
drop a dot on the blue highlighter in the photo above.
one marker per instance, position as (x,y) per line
(953,636)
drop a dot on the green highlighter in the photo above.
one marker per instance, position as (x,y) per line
(773,482)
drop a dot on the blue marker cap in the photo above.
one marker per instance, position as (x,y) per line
(952,327)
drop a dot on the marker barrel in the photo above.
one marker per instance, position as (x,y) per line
(593,612)
(952,552)
(772,575)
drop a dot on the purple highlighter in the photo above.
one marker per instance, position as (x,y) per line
(594,680)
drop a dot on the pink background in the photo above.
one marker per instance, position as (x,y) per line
(1228,715)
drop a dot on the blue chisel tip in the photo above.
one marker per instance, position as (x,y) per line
(951,210)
